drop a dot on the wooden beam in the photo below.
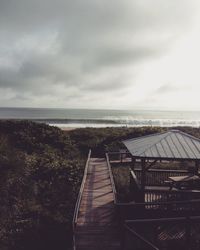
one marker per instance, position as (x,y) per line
(132,163)
(150,165)
(196,167)
(143,178)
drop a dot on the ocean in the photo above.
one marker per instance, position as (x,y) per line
(81,118)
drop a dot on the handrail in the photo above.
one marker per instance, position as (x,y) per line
(81,189)
(163,170)
(78,201)
(187,219)
(159,203)
(118,153)
(111,178)
(171,219)
(140,237)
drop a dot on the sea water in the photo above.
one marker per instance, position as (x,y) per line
(103,118)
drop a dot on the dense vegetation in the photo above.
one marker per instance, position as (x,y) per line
(102,140)
(41,171)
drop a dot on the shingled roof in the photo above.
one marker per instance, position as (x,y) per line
(173,144)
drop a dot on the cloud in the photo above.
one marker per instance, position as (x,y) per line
(65,52)
(166,88)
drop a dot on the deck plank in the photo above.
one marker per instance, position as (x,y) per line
(96,223)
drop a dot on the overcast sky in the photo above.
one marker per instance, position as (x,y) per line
(117,54)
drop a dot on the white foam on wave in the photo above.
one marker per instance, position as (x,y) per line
(134,123)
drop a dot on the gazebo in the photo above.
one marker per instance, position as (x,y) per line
(173,145)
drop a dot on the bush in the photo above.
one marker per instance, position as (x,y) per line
(41,172)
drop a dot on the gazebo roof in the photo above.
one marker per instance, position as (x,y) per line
(173,144)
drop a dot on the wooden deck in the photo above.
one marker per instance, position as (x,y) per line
(96,225)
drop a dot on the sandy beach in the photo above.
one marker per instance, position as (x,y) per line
(67,128)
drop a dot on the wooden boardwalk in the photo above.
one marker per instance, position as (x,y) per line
(96,227)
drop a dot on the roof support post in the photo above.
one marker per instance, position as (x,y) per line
(143,178)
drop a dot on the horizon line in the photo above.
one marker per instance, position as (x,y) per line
(108,109)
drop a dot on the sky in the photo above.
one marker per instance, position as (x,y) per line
(105,54)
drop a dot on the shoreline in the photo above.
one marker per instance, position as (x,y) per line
(67,128)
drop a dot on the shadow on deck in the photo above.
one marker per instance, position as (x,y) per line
(95,224)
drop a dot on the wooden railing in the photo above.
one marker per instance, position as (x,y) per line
(111,178)
(159,194)
(119,156)
(157,177)
(77,206)
(171,195)
(154,176)
(135,188)
(160,202)
(182,231)
(136,237)
(127,211)
(148,232)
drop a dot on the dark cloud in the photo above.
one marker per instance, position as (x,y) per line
(60,50)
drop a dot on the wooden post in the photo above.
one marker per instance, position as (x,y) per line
(155,234)
(188,232)
(131,190)
(143,178)
(132,163)
(122,154)
(123,237)
(196,167)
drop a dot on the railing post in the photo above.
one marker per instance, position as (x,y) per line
(111,178)
(188,232)
(123,237)
(155,232)
(131,184)
(143,179)
(196,167)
